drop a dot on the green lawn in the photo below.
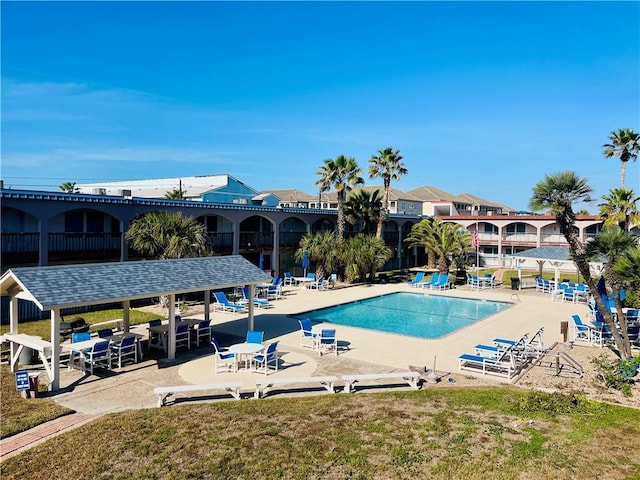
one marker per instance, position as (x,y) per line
(497,433)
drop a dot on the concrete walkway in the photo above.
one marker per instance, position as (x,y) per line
(362,351)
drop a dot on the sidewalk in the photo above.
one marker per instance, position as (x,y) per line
(17,443)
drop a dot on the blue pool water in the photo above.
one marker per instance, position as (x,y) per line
(412,314)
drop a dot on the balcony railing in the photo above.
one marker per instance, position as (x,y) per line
(221,241)
(291,239)
(251,240)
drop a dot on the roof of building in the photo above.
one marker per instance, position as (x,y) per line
(65,286)
(428,193)
(291,195)
(193,187)
(394,193)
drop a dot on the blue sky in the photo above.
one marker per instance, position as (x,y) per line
(479,97)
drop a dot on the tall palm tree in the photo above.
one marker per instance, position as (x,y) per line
(362,209)
(168,235)
(557,193)
(343,173)
(69,187)
(612,243)
(447,240)
(387,165)
(619,208)
(625,144)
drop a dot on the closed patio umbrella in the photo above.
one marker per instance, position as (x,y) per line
(261,262)
(305,262)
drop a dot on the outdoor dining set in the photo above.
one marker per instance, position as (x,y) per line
(104,351)
(251,355)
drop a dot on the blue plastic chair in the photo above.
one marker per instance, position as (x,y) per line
(254,336)
(262,361)
(223,358)
(328,341)
(306,334)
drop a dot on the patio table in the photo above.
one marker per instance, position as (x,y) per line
(75,350)
(304,281)
(245,350)
(163,330)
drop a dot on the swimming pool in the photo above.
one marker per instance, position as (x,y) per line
(412,314)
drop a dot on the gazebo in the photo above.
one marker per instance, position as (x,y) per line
(56,288)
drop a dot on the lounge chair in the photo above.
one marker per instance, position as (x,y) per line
(442,282)
(258,302)
(223,358)
(417,281)
(222,303)
(433,279)
(503,365)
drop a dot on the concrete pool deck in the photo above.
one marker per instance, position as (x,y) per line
(361,350)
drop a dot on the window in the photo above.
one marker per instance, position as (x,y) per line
(488,228)
(516,228)
(95,222)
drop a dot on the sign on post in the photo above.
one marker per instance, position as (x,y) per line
(22,380)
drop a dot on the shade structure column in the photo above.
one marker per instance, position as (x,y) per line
(252,292)
(126,306)
(55,350)
(207,304)
(172,327)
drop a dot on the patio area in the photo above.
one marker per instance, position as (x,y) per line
(360,350)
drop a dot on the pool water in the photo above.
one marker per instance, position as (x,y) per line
(412,314)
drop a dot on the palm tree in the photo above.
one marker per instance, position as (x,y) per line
(322,249)
(362,209)
(612,243)
(176,194)
(619,208)
(388,166)
(168,235)
(627,268)
(624,144)
(362,255)
(342,173)
(69,187)
(557,193)
(447,240)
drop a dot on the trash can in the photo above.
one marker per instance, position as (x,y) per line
(515,283)
(28,356)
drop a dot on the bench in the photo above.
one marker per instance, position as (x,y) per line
(19,341)
(117,323)
(264,386)
(163,392)
(410,377)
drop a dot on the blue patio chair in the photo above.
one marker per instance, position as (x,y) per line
(254,336)
(222,358)
(182,335)
(328,341)
(202,330)
(126,349)
(288,279)
(417,281)
(442,282)
(581,331)
(258,302)
(80,337)
(433,279)
(275,289)
(97,356)
(222,303)
(263,361)
(105,332)
(306,333)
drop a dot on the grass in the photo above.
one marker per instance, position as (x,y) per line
(500,433)
(20,414)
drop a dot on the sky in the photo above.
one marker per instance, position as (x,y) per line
(479,97)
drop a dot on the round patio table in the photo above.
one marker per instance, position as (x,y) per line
(245,350)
